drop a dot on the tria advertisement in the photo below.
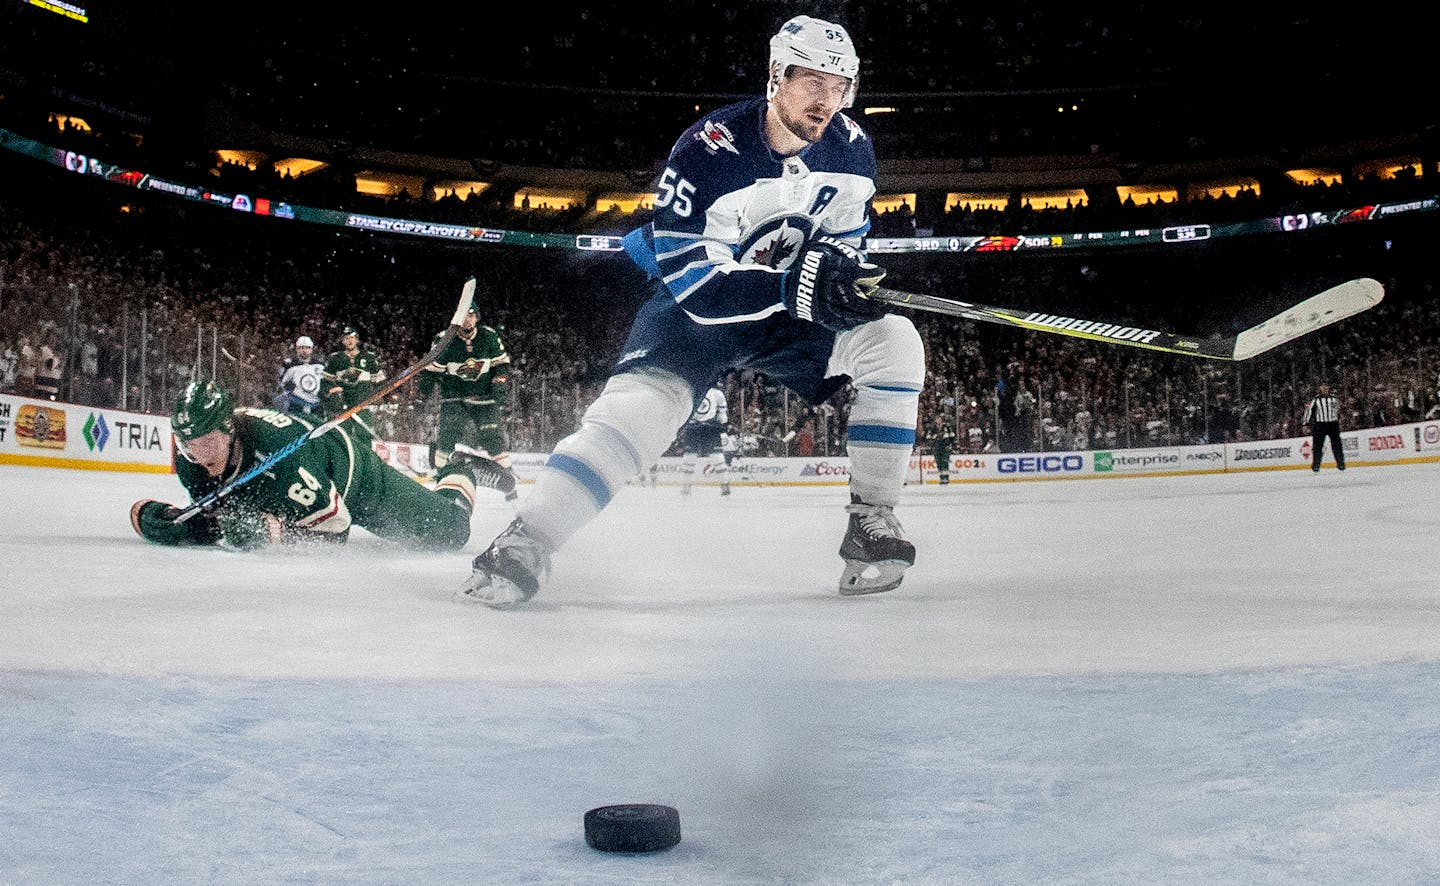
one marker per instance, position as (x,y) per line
(43,433)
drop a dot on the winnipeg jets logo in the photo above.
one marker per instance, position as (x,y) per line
(715,136)
(776,243)
(776,251)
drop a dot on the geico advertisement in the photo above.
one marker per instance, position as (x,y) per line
(1036,465)
(58,433)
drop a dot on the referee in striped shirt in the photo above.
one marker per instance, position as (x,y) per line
(1323,417)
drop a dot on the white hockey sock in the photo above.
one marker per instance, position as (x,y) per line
(879,442)
(885,360)
(628,426)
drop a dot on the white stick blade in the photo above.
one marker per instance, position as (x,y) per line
(1315,312)
(467,298)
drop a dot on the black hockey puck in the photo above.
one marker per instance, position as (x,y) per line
(632,827)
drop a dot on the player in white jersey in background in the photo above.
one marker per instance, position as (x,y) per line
(701,434)
(299,387)
(754,255)
(730,449)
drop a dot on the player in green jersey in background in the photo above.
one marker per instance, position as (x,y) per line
(350,376)
(472,375)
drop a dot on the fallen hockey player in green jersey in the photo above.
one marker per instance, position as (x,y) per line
(332,482)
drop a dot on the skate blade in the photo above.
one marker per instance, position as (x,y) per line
(494,591)
(864,577)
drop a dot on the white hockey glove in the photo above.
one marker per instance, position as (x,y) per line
(829,284)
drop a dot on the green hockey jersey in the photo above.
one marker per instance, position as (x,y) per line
(475,371)
(333,481)
(349,380)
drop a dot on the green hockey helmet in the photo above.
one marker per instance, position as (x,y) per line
(201,408)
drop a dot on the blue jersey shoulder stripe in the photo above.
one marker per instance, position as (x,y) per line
(639,246)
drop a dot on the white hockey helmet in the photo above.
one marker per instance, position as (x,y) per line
(816,44)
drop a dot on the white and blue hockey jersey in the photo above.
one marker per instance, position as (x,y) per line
(712,409)
(301,380)
(731,215)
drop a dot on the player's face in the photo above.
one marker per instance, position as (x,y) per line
(807,100)
(210,451)
(351,342)
(304,351)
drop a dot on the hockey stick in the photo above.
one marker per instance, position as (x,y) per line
(1315,312)
(209,502)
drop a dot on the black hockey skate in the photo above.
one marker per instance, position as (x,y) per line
(509,572)
(876,554)
(486,472)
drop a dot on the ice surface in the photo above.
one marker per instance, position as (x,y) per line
(1210,679)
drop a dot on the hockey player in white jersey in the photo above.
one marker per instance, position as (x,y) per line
(754,254)
(299,387)
(730,450)
(700,436)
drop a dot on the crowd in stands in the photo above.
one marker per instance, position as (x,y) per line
(118,309)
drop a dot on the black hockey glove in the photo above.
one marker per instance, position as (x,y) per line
(154,521)
(828,284)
